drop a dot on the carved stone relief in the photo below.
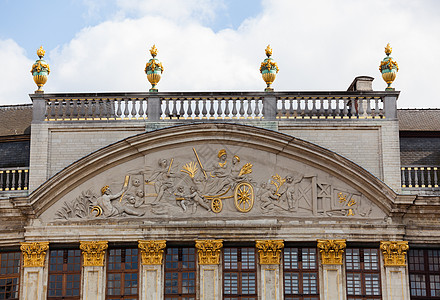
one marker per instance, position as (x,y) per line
(217,183)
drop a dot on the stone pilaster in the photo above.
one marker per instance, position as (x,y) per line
(209,269)
(394,273)
(151,279)
(93,271)
(34,278)
(269,252)
(331,269)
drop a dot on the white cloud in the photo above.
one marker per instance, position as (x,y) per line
(319,45)
(17,80)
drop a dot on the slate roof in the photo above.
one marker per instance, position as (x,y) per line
(15,119)
(427,119)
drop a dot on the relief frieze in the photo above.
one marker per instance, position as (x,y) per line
(216,183)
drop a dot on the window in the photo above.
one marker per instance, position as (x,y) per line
(180,274)
(424,273)
(64,274)
(363,273)
(239,274)
(300,274)
(122,273)
(9,275)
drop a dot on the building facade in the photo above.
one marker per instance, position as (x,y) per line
(222,195)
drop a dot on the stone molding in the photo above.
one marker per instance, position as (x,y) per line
(152,251)
(394,253)
(93,253)
(331,251)
(269,251)
(209,251)
(34,253)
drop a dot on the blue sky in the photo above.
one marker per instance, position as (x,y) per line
(102,45)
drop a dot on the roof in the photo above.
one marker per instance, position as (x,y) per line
(15,119)
(412,119)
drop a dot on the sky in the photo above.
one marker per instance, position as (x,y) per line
(218,45)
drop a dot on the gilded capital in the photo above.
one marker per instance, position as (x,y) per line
(34,253)
(152,252)
(269,251)
(93,253)
(209,251)
(331,251)
(394,252)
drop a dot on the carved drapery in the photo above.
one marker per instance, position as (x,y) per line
(93,252)
(209,251)
(331,251)
(269,251)
(34,253)
(394,252)
(151,252)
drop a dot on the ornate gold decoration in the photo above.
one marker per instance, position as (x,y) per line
(343,199)
(154,69)
(152,252)
(331,251)
(104,189)
(269,251)
(268,51)
(244,197)
(34,253)
(93,253)
(394,252)
(209,251)
(278,182)
(389,68)
(221,153)
(40,70)
(246,169)
(190,169)
(269,69)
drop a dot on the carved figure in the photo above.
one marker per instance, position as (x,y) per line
(197,199)
(105,202)
(180,197)
(162,179)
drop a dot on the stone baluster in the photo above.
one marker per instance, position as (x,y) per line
(151,278)
(270,257)
(332,269)
(394,275)
(209,268)
(219,109)
(189,112)
(197,110)
(181,110)
(257,107)
(35,270)
(93,271)
(249,108)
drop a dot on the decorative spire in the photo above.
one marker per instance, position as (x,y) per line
(40,70)
(154,69)
(389,68)
(269,69)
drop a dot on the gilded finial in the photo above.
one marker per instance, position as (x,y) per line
(268,51)
(153,69)
(389,68)
(41,52)
(269,69)
(153,51)
(40,70)
(388,49)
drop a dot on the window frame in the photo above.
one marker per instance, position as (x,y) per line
(362,272)
(300,270)
(7,275)
(123,271)
(426,273)
(240,270)
(180,270)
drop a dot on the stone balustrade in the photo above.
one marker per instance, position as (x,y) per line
(14,179)
(417,177)
(190,106)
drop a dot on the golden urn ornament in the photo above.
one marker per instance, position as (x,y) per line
(389,68)
(40,70)
(269,69)
(154,69)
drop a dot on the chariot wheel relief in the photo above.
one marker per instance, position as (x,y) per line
(216,205)
(244,197)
